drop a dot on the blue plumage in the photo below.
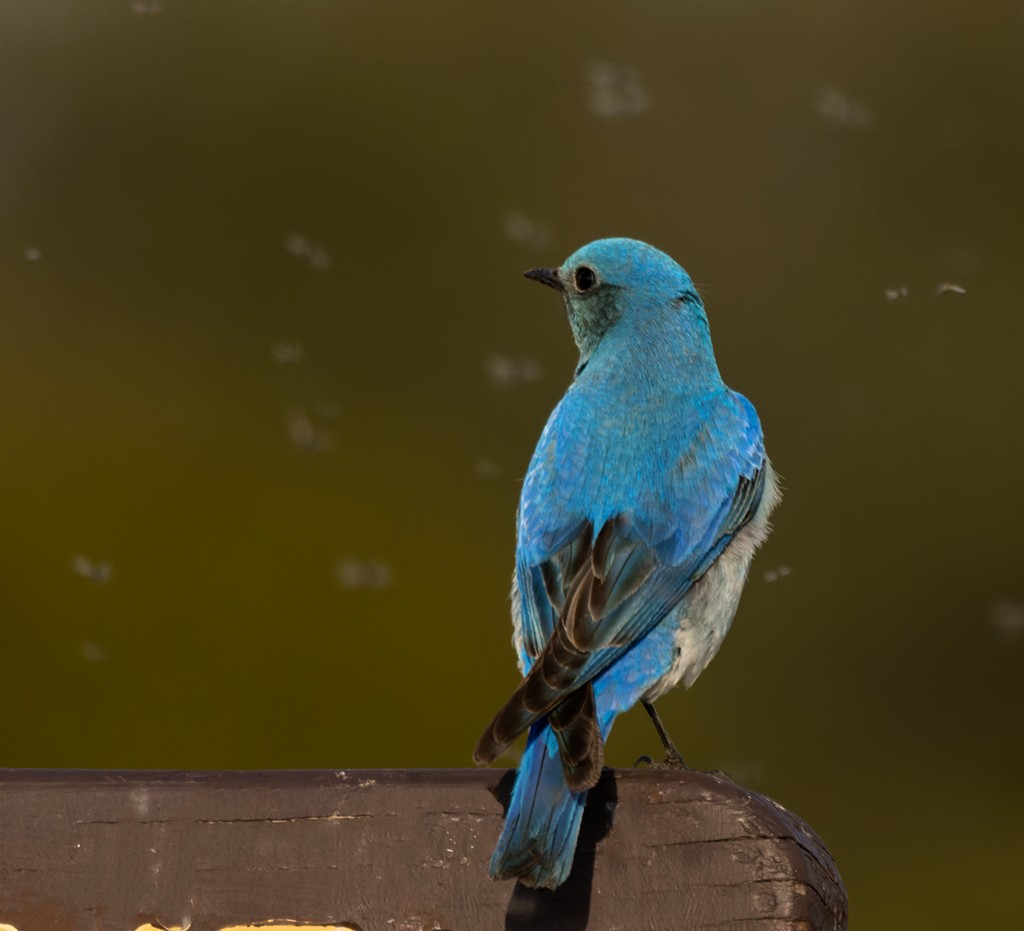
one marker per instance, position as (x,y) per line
(643,504)
(542,813)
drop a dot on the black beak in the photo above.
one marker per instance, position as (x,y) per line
(548,276)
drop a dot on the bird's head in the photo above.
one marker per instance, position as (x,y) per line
(626,284)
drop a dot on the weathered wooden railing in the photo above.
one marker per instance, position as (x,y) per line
(395,850)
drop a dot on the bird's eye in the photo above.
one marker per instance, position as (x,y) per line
(585,278)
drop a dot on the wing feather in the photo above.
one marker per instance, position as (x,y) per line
(591,596)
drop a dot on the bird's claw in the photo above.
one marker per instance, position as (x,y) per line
(674,760)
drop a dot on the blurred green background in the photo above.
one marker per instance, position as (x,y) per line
(271,378)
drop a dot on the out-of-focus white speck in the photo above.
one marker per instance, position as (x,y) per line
(32,254)
(355,573)
(486,468)
(288,350)
(836,107)
(508,370)
(1008,619)
(98,572)
(773,575)
(950,287)
(140,800)
(304,433)
(93,652)
(312,253)
(614,90)
(520,228)
(894,294)
(142,7)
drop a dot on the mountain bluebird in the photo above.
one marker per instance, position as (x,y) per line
(645,499)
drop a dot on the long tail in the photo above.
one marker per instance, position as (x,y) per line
(538,841)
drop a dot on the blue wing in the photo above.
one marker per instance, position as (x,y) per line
(592,584)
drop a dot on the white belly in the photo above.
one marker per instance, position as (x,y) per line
(706,613)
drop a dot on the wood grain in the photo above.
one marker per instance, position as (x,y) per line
(395,850)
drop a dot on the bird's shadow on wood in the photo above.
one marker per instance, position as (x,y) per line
(566,908)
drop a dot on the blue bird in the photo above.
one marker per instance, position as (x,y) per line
(645,499)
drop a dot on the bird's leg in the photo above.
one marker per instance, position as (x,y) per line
(673,758)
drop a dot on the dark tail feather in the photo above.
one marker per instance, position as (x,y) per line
(574,723)
(538,842)
(550,681)
(508,723)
